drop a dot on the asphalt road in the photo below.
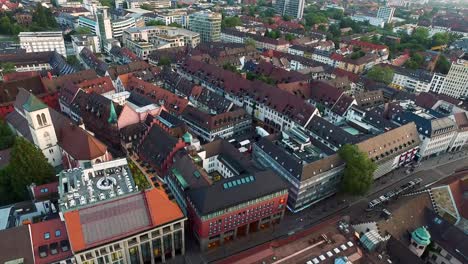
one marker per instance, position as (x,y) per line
(430,171)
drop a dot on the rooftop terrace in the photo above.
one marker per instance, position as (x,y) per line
(81,186)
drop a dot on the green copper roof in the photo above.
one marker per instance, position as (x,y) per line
(33,104)
(112,115)
(187,137)
(421,236)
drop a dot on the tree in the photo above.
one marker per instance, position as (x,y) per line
(174,24)
(155,23)
(7,67)
(315,18)
(381,74)
(73,60)
(441,38)
(274,34)
(229,22)
(249,42)
(27,165)
(7,138)
(358,172)
(228,66)
(442,65)
(147,7)
(415,62)
(82,31)
(164,61)
(109,3)
(289,37)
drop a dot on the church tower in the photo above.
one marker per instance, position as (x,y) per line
(42,129)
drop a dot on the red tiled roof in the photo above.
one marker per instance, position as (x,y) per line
(15,76)
(45,190)
(57,233)
(458,188)
(342,73)
(368,45)
(171,101)
(99,85)
(426,100)
(80,144)
(281,101)
(161,209)
(324,93)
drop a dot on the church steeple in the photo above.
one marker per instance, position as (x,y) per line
(112,115)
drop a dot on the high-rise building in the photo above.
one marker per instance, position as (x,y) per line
(43,41)
(386,13)
(104,28)
(293,8)
(208,24)
(456,81)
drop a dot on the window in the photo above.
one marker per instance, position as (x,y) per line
(57,233)
(46,235)
(39,121)
(44,121)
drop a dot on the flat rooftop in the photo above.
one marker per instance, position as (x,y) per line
(82,186)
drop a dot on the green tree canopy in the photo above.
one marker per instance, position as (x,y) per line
(7,138)
(274,34)
(164,61)
(82,31)
(174,24)
(358,172)
(155,23)
(249,42)
(381,74)
(7,67)
(229,22)
(27,165)
(147,7)
(441,38)
(442,65)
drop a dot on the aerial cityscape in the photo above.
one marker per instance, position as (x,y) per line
(234,131)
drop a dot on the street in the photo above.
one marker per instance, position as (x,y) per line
(430,171)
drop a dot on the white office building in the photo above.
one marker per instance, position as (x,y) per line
(43,41)
(386,13)
(292,8)
(456,81)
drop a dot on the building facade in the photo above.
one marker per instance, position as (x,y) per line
(207,24)
(43,41)
(456,81)
(386,13)
(292,8)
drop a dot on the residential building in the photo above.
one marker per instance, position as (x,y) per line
(50,242)
(311,174)
(43,41)
(142,41)
(169,16)
(207,24)
(110,219)
(224,195)
(38,61)
(392,149)
(386,13)
(456,80)
(292,8)
(374,21)
(461,138)
(155,4)
(261,42)
(415,81)
(89,41)
(16,246)
(436,132)
(209,126)
(281,111)
(91,61)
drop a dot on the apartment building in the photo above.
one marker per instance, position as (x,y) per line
(275,108)
(155,4)
(292,8)
(224,195)
(415,81)
(437,82)
(456,80)
(110,220)
(168,16)
(261,42)
(43,41)
(86,41)
(436,133)
(207,24)
(210,126)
